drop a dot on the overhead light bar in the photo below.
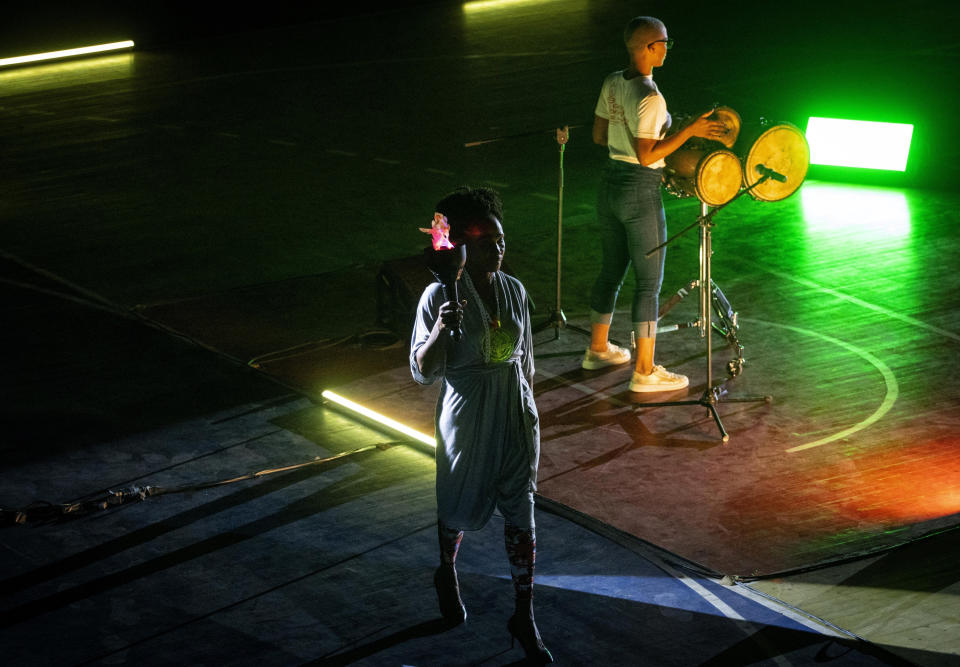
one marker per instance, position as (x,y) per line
(66,53)
(481,5)
(377,417)
(858,143)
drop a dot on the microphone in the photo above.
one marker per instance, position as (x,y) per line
(446,265)
(770,173)
(451,293)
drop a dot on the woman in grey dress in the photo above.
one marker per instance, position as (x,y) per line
(487,429)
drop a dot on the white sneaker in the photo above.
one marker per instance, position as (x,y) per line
(659,380)
(613,355)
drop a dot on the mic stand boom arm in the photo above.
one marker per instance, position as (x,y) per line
(706,218)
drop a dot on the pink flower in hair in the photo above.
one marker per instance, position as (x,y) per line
(440,231)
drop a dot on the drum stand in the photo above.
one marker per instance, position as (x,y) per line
(710,295)
(557,319)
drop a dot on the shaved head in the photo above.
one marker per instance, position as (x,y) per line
(641,30)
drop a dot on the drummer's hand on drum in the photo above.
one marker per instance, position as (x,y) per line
(706,128)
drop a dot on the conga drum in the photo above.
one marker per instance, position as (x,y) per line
(729,117)
(707,169)
(731,120)
(698,170)
(777,146)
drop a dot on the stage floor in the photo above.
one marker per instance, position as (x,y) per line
(856,450)
(243,192)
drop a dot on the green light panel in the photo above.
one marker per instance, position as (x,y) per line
(859,143)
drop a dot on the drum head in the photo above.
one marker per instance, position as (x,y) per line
(731,119)
(718,177)
(783,148)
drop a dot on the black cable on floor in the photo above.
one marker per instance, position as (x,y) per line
(46,512)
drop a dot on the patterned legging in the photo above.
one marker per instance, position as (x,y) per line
(521,545)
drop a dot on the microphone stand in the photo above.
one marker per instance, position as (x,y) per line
(712,394)
(557,319)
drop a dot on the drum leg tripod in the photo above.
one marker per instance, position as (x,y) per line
(710,296)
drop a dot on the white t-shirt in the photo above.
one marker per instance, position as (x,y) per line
(634,108)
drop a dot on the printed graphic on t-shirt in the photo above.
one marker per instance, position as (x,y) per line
(617,117)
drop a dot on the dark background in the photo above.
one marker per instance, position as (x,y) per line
(885,61)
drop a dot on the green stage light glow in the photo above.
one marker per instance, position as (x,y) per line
(63,73)
(857,143)
(877,213)
(66,53)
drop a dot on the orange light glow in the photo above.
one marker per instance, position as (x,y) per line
(914,483)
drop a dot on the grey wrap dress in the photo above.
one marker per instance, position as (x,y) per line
(487,428)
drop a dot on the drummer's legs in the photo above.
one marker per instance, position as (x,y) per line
(647,231)
(645,349)
(650,232)
(615,261)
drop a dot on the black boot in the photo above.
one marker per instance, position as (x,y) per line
(448,595)
(523,628)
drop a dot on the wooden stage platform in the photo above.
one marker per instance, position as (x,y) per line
(848,318)
(243,192)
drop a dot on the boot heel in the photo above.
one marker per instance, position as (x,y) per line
(448,595)
(525,631)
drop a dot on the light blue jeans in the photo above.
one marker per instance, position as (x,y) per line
(631,222)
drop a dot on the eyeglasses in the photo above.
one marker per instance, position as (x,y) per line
(668,43)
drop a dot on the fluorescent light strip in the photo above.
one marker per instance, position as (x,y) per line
(859,143)
(377,417)
(481,5)
(66,53)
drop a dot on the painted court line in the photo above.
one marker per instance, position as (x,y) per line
(890,380)
(700,590)
(725,609)
(795,614)
(893,388)
(860,302)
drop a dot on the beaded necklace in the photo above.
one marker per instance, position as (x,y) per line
(498,344)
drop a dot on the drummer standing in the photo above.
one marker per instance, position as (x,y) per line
(631,120)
